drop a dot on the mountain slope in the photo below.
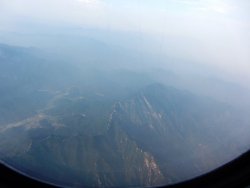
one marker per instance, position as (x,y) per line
(157,135)
(185,133)
(65,144)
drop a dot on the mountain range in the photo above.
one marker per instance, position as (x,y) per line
(114,128)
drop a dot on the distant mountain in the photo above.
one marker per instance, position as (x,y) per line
(29,79)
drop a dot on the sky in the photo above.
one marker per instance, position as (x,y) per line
(211,32)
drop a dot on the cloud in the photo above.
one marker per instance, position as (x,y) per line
(90,2)
(87,1)
(218,6)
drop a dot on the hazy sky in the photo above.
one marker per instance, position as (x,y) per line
(214,32)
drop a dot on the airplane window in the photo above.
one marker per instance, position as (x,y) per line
(128,93)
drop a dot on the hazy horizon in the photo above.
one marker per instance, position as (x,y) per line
(211,34)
